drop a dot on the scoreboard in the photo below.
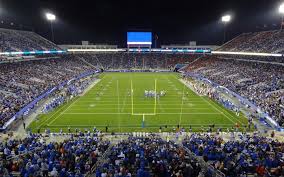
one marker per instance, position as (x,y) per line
(139,39)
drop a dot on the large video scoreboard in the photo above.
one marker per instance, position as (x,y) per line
(139,39)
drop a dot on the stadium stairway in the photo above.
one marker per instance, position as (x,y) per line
(183,69)
(83,60)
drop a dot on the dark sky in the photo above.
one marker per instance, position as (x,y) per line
(107,21)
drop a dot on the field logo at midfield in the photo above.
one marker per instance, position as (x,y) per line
(143,114)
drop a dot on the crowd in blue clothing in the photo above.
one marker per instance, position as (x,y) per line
(18,40)
(34,157)
(151,156)
(142,156)
(55,102)
(260,83)
(241,155)
(78,87)
(72,90)
(22,82)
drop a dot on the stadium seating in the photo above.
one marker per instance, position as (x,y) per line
(110,61)
(260,79)
(264,41)
(16,40)
(33,156)
(254,58)
(261,83)
(149,156)
(239,156)
(22,82)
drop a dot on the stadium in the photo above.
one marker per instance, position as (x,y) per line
(139,105)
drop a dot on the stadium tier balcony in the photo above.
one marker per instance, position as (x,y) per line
(137,60)
(16,40)
(264,42)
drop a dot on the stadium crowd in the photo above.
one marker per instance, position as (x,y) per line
(110,61)
(260,83)
(263,59)
(242,155)
(22,82)
(264,41)
(33,156)
(150,156)
(17,40)
(72,90)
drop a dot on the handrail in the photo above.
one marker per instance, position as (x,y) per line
(100,161)
(205,166)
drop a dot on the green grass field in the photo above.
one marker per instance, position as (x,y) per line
(110,103)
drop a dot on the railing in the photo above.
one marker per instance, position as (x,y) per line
(204,165)
(100,161)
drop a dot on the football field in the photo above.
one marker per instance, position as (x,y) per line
(118,101)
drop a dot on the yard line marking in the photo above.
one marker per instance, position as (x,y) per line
(181,104)
(96,107)
(132,101)
(135,125)
(126,104)
(221,112)
(213,106)
(131,96)
(141,113)
(62,112)
(50,116)
(118,115)
(178,108)
(155,107)
(161,99)
(226,110)
(77,98)
(124,101)
(217,109)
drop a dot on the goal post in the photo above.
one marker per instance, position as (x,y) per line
(132,102)
(143,121)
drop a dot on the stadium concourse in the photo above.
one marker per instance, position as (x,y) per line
(44,84)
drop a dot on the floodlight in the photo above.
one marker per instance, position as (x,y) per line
(50,17)
(226,18)
(281,8)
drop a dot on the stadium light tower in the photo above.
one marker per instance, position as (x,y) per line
(281,11)
(51,17)
(225,20)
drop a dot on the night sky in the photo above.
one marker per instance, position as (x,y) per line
(107,21)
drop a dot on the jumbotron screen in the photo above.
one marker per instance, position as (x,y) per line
(139,38)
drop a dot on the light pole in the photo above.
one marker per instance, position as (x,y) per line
(51,17)
(225,19)
(281,11)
